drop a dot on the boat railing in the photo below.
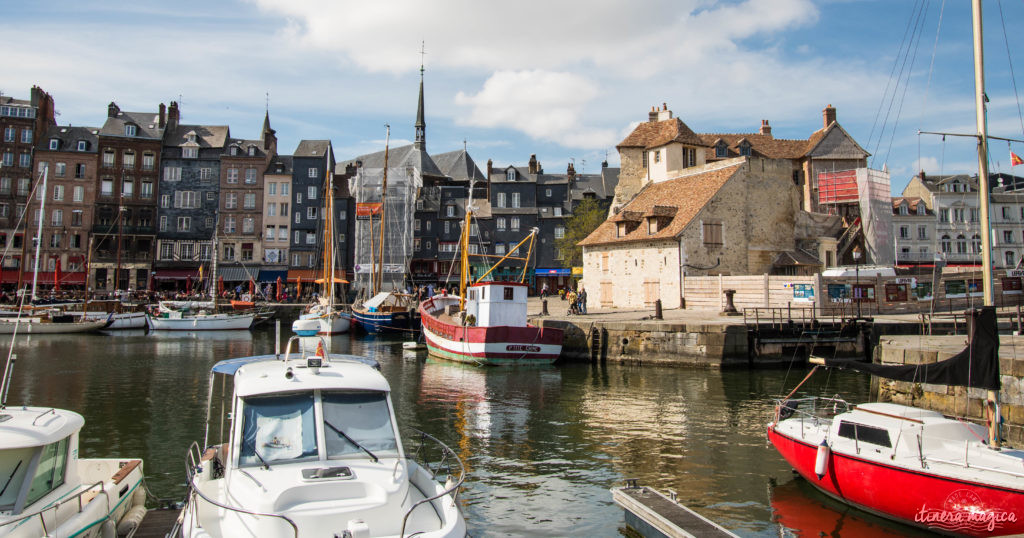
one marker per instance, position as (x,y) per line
(97,488)
(447,462)
(815,410)
(192,464)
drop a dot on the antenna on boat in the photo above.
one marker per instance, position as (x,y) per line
(5,383)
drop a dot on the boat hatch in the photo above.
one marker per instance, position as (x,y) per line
(868,434)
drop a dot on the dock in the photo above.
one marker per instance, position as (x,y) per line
(158,523)
(655,515)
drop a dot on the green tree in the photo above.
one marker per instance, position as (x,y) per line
(589,214)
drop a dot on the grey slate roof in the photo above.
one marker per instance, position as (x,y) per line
(148,125)
(400,157)
(458,165)
(69,137)
(600,185)
(280,164)
(311,148)
(243,146)
(207,136)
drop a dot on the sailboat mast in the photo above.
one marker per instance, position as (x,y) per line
(383,213)
(979,99)
(329,234)
(39,232)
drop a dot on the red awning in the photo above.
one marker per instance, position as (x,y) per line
(10,276)
(175,274)
(307,275)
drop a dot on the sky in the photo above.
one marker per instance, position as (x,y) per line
(564,79)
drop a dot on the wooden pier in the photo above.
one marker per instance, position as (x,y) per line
(655,515)
(158,523)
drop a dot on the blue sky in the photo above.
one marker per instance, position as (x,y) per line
(565,80)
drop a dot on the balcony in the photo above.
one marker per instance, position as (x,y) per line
(930,257)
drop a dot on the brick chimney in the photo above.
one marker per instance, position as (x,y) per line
(113,110)
(652,116)
(829,115)
(664,113)
(765,128)
(173,114)
(490,168)
(163,115)
(571,172)
(533,163)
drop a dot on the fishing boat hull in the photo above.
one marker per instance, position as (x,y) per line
(489,345)
(212,322)
(922,497)
(37,325)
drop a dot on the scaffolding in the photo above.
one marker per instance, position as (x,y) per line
(396,215)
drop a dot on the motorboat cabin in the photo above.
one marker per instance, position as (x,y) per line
(312,448)
(46,490)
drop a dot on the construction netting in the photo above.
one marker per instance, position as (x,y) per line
(876,215)
(396,217)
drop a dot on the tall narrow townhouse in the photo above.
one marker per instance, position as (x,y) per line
(277,189)
(311,160)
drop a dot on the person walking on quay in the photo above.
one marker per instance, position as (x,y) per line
(583,300)
(544,291)
(571,297)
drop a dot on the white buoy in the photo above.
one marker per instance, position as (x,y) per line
(821,462)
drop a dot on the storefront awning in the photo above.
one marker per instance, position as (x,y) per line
(236,274)
(175,274)
(553,272)
(272,276)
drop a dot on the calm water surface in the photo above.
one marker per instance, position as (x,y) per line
(541,445)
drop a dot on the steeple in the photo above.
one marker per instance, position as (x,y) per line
(421,124)
(268,135)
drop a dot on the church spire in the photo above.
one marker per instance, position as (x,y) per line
(421,124)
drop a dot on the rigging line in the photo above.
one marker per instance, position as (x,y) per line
(931,65)
(888,84)
(914,40)
(906,86)
(1009,60)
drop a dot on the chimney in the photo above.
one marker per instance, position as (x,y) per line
(173,114)
(490,168)
(533,163)
(163,115)
(664,113)
(765,128)
(604,163)
(571,172)
(113,110)
(829,115)
(652,116)
(922,176)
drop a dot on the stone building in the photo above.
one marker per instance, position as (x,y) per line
(187,212)
(23,121)
(130,144)
(914,231)
(69,153)
(239,233)
(733,216)
(953,199)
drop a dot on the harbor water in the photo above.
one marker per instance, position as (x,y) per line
(542,446)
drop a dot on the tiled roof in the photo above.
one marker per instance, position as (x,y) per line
(913,203)
(689,194)
(653,134)
(764,145)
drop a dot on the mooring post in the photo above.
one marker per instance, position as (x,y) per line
(657,309)
(730,308)
(543,307)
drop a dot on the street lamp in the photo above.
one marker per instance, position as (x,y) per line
(856,288)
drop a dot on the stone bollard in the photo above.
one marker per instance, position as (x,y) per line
(730,308)
(657,310)
(543,307)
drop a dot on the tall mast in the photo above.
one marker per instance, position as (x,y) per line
(379,276)
(329,232)
(39,231)
(213,264)
(120,226)
(464,249)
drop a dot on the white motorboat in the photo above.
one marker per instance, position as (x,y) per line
(46,490)
(180,321)
(312,448)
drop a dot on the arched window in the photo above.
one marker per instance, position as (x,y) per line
(961,244)
(946,247)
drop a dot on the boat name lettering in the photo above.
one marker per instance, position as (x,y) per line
(521,347)
(964,510)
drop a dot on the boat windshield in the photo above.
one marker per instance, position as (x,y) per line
(365,418)
(13,466)
(277,428)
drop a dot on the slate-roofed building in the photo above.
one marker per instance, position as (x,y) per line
(239,237)
(130,145)
(23,121)
(277,199)
(311,161)
(69,153)
(734,216)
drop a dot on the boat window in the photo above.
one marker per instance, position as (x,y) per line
(277,428)
(868,434)
(13,466)
(472,295)
(49,473)
(508,294)
(365,418)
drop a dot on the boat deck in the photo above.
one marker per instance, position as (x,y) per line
(157,523)
(652,514)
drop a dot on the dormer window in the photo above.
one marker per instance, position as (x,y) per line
(130,129)
(721,150)
(189,152)
(191,137)
(920,209)
(83,145)
(904,210)
(510,174)
(620,229)
(652,225)
(234,150)
(745,149)
(252,151)
(54,143)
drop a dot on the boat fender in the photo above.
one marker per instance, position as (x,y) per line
(107,529)
(821,462)
(131,520)
(139,497)
(357,528)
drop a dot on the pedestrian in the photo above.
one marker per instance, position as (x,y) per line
(583,299)
(430,290)
(571,297)
(544,291)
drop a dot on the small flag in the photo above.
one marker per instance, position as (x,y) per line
(1015,159)
(320,349)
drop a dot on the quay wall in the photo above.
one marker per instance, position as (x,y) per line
(953,401)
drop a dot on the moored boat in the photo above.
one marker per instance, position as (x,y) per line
(201,321)
(387,312)
(314,451)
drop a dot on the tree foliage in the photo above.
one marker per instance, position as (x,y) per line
(587,216)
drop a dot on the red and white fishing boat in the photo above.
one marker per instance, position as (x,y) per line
(486,323)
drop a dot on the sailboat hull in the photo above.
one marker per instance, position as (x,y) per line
(38,326)
(386,322)
(212,322)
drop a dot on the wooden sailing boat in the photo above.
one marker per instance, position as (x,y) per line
(324,315)
(385,311)
(486,324)
(911,464)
